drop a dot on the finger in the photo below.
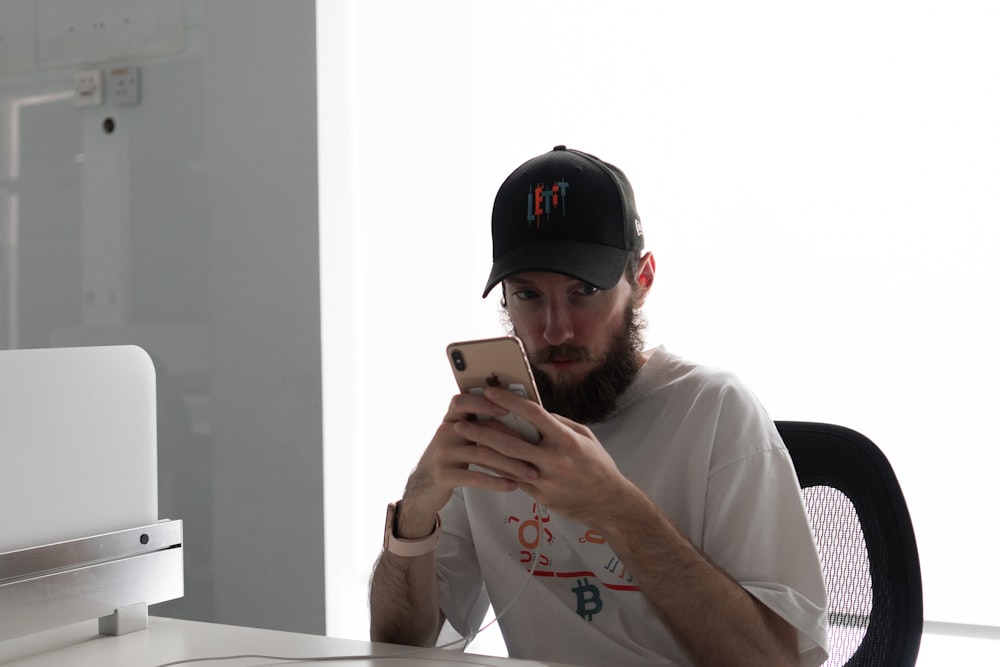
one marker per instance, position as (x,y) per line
(463,406)
(522,407)
(458,462)
(497,448)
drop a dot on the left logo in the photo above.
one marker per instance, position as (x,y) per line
(544,199)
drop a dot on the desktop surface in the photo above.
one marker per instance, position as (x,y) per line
(168,640)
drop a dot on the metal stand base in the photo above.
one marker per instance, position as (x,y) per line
(128,619)
(111,577)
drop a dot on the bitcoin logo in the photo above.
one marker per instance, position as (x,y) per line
(588,599)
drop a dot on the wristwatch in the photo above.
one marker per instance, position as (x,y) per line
(404,547)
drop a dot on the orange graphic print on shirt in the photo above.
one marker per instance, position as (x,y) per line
(581,558)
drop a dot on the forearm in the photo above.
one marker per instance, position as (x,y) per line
(712,616)
(404,602)
(404,592)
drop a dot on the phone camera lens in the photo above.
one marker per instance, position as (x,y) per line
(458,359)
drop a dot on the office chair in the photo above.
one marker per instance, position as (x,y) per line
(866,545)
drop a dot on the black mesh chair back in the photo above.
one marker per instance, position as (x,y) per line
(866,545)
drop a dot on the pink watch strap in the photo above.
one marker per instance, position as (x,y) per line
(405,547)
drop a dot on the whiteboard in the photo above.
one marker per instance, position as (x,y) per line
(77,443)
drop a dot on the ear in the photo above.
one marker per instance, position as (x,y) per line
(644,277)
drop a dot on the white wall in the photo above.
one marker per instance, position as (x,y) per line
(267,482)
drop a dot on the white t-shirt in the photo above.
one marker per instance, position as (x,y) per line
(703,448)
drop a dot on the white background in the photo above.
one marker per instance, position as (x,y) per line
(818,182)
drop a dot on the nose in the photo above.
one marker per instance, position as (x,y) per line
(558,323)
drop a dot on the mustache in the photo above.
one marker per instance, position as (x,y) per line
(561,353)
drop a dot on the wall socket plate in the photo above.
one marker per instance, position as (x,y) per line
(123,86)
(87,88)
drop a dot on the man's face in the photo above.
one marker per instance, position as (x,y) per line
(584,343)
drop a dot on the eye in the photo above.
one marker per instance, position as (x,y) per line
(588,289)
(526,294)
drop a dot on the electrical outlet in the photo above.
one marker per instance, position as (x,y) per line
(123,86)
(87,88)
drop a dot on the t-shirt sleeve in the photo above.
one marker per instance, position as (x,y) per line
(753,491)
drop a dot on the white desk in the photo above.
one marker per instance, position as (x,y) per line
(170,639)
(940,650)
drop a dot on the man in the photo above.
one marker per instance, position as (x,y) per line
(659,519)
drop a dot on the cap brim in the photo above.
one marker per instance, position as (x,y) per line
(600,265)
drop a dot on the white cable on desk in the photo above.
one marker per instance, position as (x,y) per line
(254,656)
(404,654)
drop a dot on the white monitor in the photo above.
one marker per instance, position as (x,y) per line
(77,443)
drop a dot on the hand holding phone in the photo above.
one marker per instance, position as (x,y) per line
(496,362)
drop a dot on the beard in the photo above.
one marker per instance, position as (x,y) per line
(596,396)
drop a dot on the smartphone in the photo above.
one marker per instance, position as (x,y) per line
(496,362)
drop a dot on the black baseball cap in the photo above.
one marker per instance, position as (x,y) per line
(567,212)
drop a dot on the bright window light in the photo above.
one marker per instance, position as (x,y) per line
(818,184)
